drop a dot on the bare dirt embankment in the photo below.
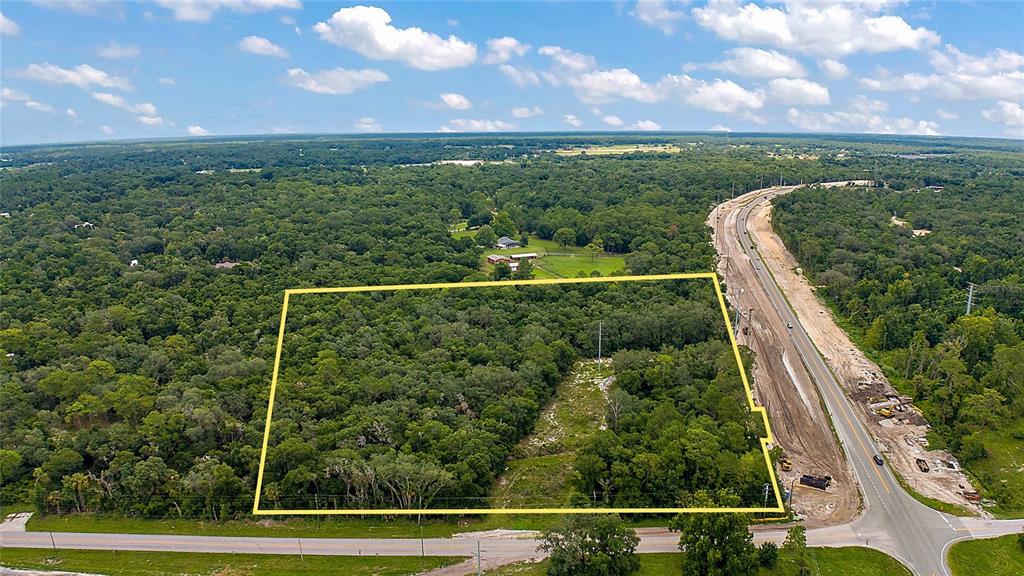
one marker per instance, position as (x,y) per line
(900,436)
(781,383)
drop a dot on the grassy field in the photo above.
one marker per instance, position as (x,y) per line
(992,557)
(824,562)
(573,266)
(1005,464)
(948,508)
(369,527)
(182,564)
(618,149)
(538,473)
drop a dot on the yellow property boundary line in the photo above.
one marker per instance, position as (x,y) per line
(256,510)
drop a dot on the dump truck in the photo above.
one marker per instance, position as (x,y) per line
(819,482)
(922,465)
(885,412)
(786,464)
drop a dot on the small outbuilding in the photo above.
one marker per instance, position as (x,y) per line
(504,243)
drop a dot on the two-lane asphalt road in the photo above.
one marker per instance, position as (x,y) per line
(892,521)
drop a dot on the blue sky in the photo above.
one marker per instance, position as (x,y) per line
(93,70)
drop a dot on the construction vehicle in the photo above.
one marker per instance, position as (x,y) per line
(885,412)
(922,465)
(786,464)
(819,482)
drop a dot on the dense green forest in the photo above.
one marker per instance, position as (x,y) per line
(904,293)
(142,285)
(416,398)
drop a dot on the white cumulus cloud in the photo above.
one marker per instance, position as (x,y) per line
(71,113)
(1009,114)
(798,91)
(167,81)
(659,14)
(150,120)
(117,51)
(527,112)
(719,96)
(998,75)
(600,86)
(107,129)
(863,115)
(9,95)
(520,76)
(117,101)
(572,120)
(334,80)
(646,125)
(367,124)
(261,46)
(469,125)
(39,106)
(504,49)
(567,59)
(760,63)
(195,130)
(368,31)
(8,27)
(83,76)
(203,10)
(833,68)
(454,101)
(825,28)
(612,120)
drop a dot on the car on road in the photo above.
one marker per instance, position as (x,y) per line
(789,325)
(878,460)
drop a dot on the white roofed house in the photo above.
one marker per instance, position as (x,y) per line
(523,256)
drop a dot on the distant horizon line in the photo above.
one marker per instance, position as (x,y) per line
(508,133)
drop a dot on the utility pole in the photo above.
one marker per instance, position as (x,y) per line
(766,486)
(600,327)
(736,323)
(478,570)
(970,297)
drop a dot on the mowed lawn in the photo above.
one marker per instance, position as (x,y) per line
(556,261)
(1001,556)
(184,564)
(824,562)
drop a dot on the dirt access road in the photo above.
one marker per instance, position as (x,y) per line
(781,382)
(784,386)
